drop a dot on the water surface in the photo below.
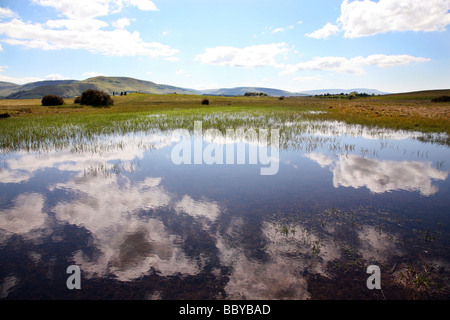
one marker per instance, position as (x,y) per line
(141,227)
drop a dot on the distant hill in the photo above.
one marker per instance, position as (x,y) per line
(345,91)
(7,84)
(74,88)
(45,83)
(240,91)
(62,90)
(6,88)
(119,84)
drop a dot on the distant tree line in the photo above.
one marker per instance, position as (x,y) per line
(342,95)
(255,94)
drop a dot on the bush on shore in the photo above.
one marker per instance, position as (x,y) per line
(52,100)
(441,99)
(91,97)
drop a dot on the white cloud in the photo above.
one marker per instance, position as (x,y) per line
(55,76)
(308,78)
(15,79)
(79,25)
(385,61)
(6,13)
(339,64)
(277,30)
(79,9)
(248,57)
(353,65)
(112,43)
(92,74)
(80,29)
(183,72)
(328,30)
(86,9)
(172,59)
(145,5)
(121,23)
(367,18)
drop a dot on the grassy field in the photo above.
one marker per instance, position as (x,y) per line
(408,111)
(30,123)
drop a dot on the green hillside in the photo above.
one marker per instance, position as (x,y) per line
(62,90)
(6,88)
(240,91)
(4,84)
(72,88)
(119,84)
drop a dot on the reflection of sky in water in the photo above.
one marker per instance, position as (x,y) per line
(142,215)
(381,175)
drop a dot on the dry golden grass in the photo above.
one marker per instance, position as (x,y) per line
(398,114)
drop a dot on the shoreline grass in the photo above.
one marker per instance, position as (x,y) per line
(30,122)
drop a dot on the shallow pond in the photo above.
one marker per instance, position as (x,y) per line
(177,214)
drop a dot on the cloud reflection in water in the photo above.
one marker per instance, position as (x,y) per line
(131,218)
(381,176)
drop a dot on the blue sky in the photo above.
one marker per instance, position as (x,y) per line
(296,45)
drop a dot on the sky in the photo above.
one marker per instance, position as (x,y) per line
(294,45)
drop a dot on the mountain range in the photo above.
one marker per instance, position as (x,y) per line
(74,88)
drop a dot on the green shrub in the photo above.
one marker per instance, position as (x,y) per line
(77,100)
(255,94)
(441,99)
(91,97)
(205,102)
(52,100)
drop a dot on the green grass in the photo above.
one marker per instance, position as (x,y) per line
(33,127)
